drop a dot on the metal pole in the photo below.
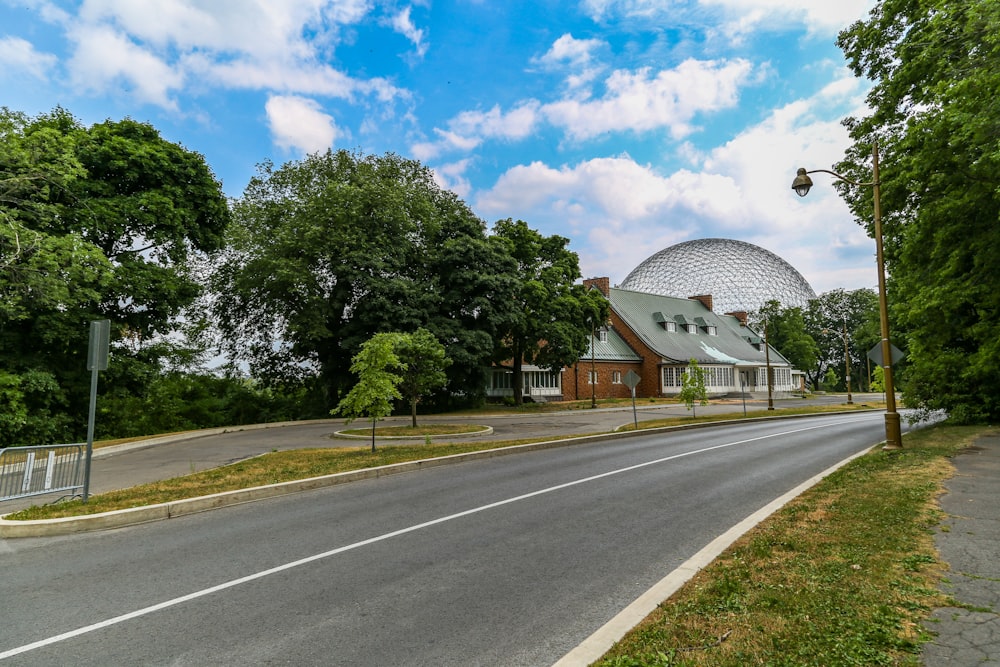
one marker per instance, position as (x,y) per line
(847,361)
(767,360)
(593,372)
(90,432)
(893,435)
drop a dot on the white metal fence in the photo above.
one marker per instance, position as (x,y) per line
(33,471)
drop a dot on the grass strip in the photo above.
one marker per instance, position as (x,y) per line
(843,575)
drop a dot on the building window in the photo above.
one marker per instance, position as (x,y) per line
(591,377)
(616,377)
(602,335)
(710,329)
(692,328)
(670,326)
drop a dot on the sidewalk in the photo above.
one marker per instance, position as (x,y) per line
(969,541)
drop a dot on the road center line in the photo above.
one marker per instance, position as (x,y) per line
(380,538)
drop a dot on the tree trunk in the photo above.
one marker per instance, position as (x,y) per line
(517,383)
(413,411)
(373,434)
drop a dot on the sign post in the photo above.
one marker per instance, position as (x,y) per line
(631,381)
(97,360)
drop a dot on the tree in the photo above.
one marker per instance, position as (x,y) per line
(376,366)
(693,387)
(936,72)
(553,317)
(786,332)
(423,361)
(327,251)
(826,318)
(95,222)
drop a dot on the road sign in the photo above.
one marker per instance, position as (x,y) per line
(97,353)
(631,379)
(875,354)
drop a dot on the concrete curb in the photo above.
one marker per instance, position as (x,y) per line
(136,515)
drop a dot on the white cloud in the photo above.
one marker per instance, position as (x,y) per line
(569,50)
(621,211)
(403,24)
(104,59)
(739,17)
(452,177)
(469,129)
(639,101)
(17,54)
(298,123)
(273,45)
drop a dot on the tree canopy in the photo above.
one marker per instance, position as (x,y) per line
(327,251)
(95,223)
(934,112)
(553,316)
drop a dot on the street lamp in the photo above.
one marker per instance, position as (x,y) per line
(847,362)
(767,362)
(801,185)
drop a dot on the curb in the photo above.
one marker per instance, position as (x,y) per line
(137,515)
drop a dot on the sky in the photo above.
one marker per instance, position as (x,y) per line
(625,126)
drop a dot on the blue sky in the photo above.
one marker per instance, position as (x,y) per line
(624,125)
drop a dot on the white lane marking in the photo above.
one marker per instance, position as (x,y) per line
(380,538)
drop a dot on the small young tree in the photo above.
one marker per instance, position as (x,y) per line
(693,387)
(376,366)
(424,361)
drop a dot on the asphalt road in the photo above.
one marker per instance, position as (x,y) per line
(150,461)
(507,561)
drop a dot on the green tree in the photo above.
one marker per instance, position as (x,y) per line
(330,250)
(377,368)
(552,318)
(786,332)
(935,68)
(693,389)
(825,320)
(95,222)
(423,361)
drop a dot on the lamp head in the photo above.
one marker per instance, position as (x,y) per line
(802,183)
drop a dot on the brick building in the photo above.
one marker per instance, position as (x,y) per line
(656,337)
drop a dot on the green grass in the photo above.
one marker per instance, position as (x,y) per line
(843,575)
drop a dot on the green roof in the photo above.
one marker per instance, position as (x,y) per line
(613,349)
(646,314)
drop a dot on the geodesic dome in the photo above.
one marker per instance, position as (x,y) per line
(738,275)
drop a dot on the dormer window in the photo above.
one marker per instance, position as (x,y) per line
(670,326)
(692,328)
(711,330)
(602,335)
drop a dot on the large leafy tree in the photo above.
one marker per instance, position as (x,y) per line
(786,332)
(826,319)
(554,316)
(327,251)
(95,222)
(935,65)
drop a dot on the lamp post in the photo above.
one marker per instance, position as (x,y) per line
(847,362)
(767,362)
(801,185)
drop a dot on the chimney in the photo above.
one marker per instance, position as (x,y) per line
(741,315)
(603,284)
(706,300)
